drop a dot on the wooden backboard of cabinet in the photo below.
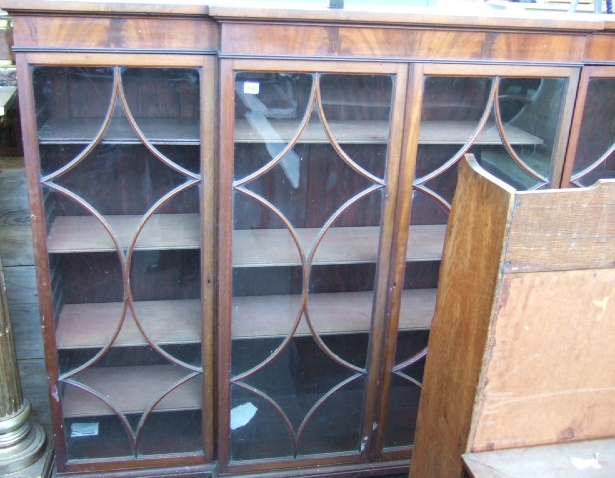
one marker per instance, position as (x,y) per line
(519,352)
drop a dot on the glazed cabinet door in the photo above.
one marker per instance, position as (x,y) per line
(592,143)
(119,165)
(309,172)
(515,121)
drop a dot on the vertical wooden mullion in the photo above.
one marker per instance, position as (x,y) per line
(559,163)
(225,263)
(208,250)
(39,239)
(409,118)
(575,127)
(381,348)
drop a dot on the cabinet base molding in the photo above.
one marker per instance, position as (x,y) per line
(199,471)
(355,470)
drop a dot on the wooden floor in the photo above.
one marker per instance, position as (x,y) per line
(18,264)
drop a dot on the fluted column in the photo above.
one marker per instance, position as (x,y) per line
(22,443)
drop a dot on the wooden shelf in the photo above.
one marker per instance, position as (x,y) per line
(458,132)
(377,132)
(87,234)
(345,132)
(335,313)
(132,390)
(179,321)
(157,131)
(252,247)
(186,132)
(341,245)
(165,322)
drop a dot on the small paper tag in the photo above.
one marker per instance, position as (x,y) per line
(251,87)
(84,430)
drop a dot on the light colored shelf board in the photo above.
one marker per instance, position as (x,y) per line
(132,390)
(458,132)
(176,131)
(87,234)
(333,313)
(165,322)
(345,132)
(377,132)
(251,248)
(341,245)
(156,130)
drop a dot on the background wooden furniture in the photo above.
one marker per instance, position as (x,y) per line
(377,107)
(519,352)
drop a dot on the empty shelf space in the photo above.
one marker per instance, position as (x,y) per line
(334,313)
(340,245)
(156,130)
(377,132)
(87,234)
(131,390)
(164,322)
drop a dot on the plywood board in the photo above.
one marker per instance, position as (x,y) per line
(550,367)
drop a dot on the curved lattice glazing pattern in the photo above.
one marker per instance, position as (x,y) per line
(120,174)
(308,193)
(595,159)
(510,125)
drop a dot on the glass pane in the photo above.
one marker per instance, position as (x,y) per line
(120,163)
(309,189)
(530,111)
(510,125)
(594,158)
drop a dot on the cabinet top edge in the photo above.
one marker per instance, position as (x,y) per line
(451,14)
(150,7)
(459,14)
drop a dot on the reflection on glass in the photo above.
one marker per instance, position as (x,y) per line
(121,177)
(309,187)
(595,157)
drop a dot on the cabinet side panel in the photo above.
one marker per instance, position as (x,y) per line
(107,32)
(461,325)
(551,375)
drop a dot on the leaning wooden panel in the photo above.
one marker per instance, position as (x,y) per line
(519,358)
(550,375)
(461,327)
(563,230)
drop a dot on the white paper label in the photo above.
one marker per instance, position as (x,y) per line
(251,87)
(84,429)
